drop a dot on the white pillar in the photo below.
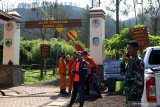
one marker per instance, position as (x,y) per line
(11,45)
(97,34)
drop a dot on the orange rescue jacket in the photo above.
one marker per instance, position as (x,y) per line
(72,64)
(62,66)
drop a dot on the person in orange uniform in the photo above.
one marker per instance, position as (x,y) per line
(71,67)
(93,66)
(62,73)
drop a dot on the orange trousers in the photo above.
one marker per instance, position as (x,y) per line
(63,81)
(71,77)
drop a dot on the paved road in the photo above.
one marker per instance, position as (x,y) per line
(47,95)
(32,96)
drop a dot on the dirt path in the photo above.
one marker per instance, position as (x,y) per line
(106,101)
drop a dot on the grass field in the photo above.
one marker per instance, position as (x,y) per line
(33,76)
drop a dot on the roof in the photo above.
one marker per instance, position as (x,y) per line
(5,16)
(9,16)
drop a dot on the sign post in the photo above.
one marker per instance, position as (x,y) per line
(141,36)
(45,53)
(112,69)
(72,34)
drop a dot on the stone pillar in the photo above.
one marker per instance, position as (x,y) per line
(11,46)
(97,34)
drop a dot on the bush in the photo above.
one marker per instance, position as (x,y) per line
(117,43)
(30,51)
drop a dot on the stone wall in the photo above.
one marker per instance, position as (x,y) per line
(10,75)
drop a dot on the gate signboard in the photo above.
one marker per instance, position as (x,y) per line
(53,23)
(141,36)
(59,25)
(45,50)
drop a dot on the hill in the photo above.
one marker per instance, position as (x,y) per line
(73,13)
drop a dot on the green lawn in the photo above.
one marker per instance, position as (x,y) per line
(33,76)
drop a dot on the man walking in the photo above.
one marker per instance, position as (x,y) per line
(80,75)
(71,67)
(134,75)
(62,73)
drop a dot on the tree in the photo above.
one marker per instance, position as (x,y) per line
(84,30)
(95,3)
(114,7)
(135,10)
(46,11)
(5,5)
(152,13)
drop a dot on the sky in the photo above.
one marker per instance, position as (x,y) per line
(79,3)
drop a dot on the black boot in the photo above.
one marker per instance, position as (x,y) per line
(64,92)
(99,94)
(61,91)
(69,92)
(69,105)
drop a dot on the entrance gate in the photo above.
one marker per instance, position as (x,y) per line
(59,25)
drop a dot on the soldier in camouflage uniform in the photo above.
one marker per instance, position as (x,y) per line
(132,67)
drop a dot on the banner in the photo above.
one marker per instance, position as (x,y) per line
(112,69)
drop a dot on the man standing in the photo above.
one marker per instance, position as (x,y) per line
(134,74)
(93,66)
(80,75)
(62,73)
(71,67)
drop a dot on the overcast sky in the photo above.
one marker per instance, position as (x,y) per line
(79,3)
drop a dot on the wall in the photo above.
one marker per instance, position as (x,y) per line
(10,75)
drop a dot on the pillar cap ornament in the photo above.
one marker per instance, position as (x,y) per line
(15,15)
(97,12)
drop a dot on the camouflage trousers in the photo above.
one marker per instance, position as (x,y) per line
(133,101)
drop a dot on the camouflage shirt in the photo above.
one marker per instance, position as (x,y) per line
(134,78)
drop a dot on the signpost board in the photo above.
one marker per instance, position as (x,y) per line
(59,25)
(141,36)
(112,69)
(53,23)
(72,34)
(45,50)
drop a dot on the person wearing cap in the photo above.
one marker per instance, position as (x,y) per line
(80,74)
(62,73)
(92,68)
(134,74)
(71,67)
